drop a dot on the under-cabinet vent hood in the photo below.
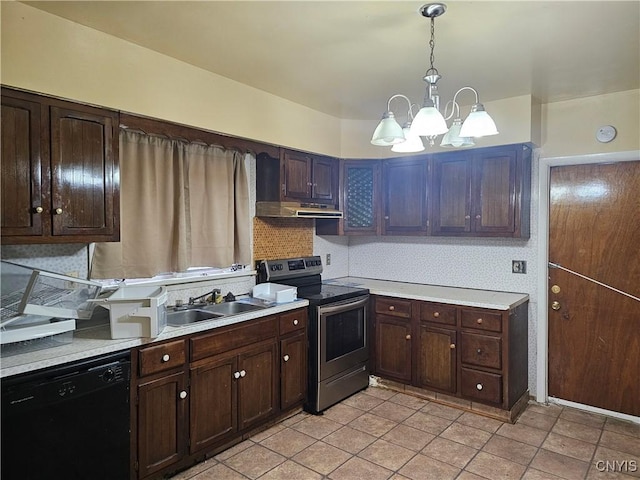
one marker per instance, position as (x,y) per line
(296,210)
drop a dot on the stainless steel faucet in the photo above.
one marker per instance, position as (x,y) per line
(193,300)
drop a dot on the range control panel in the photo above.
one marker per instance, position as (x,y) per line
(289,268)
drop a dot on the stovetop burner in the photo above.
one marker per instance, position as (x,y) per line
(326,293)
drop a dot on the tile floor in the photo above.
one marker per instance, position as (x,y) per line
(380,434)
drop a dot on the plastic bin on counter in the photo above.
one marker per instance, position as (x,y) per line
(274,292)
(136,311)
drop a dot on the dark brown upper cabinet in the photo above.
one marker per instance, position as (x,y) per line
(404,196)
(60,171)
(359,200)
(297,177)
(484,192)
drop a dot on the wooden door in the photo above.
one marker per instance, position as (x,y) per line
(84,168)
(24,197)
(293,370)
(162,436)
(213,412)
(594,332)
(297,176)
(437,358)
(494,194)
(324,173)
(393,348)
(405,197)
(257,386)
(451,195)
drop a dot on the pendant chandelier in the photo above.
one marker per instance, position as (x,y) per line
(429,122)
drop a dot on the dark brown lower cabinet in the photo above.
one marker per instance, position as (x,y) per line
(198,393)
(293,370)
(393,347)
(162,421)
(437,364)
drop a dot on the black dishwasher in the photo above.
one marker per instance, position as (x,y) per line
(70,422)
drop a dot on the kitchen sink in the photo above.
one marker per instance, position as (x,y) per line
(198,313)
(184,317)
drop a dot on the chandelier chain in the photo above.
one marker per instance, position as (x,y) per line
(432,44)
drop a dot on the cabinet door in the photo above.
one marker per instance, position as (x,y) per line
(213,413)
(495,191)
(24,209)
(437,358)
(84,182)
(257,385)
(405,197)
(296,170)
(162,425)
(323,174)
(293,370)
(451,195)
(393,348)
(361,193)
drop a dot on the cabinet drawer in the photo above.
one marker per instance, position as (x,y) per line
(483,386)
(481,350)
(393,306)
(293,321)
(481,319)
(161,357)
(435,312)
(233,337)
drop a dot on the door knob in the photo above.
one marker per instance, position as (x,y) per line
(555,305)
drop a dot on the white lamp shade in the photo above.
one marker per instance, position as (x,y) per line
(411,144)
(388,132)
(453,139)
(428,122)
(478,124)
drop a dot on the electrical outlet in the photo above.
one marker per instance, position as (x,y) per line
(518,266)
(328,259)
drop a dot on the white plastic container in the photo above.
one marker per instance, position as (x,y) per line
(136,311)
(274,292)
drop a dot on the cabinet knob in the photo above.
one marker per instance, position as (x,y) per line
(479,386)
(436,314)
(479,351)
(452,346)
(295,322)
(165,357)
(392,308)
(467,217)
(58,211)
(236,375)
(479,321)
(38,209)
(555,305)
(386,217)
(286,358)
(183,394)
(408,337)
(243,373)
(478,217)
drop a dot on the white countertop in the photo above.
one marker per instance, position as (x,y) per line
(94,341)
(435,293)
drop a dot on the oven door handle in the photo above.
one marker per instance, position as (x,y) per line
(342,307)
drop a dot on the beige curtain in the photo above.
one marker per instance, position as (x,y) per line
(182,205)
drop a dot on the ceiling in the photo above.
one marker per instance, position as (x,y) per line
(347,58)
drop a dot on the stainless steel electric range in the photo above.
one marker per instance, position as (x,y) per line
(338,329)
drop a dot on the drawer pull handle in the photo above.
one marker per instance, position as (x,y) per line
(479,321)
(236,375)
(295,322)
(452,346)
(243,373)
(286,358)
(392,308)
(436,314)
(183,394)
(165,357)
(408,337)
(479,386)
(479,351)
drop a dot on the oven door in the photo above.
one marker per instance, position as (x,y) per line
(343,335)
